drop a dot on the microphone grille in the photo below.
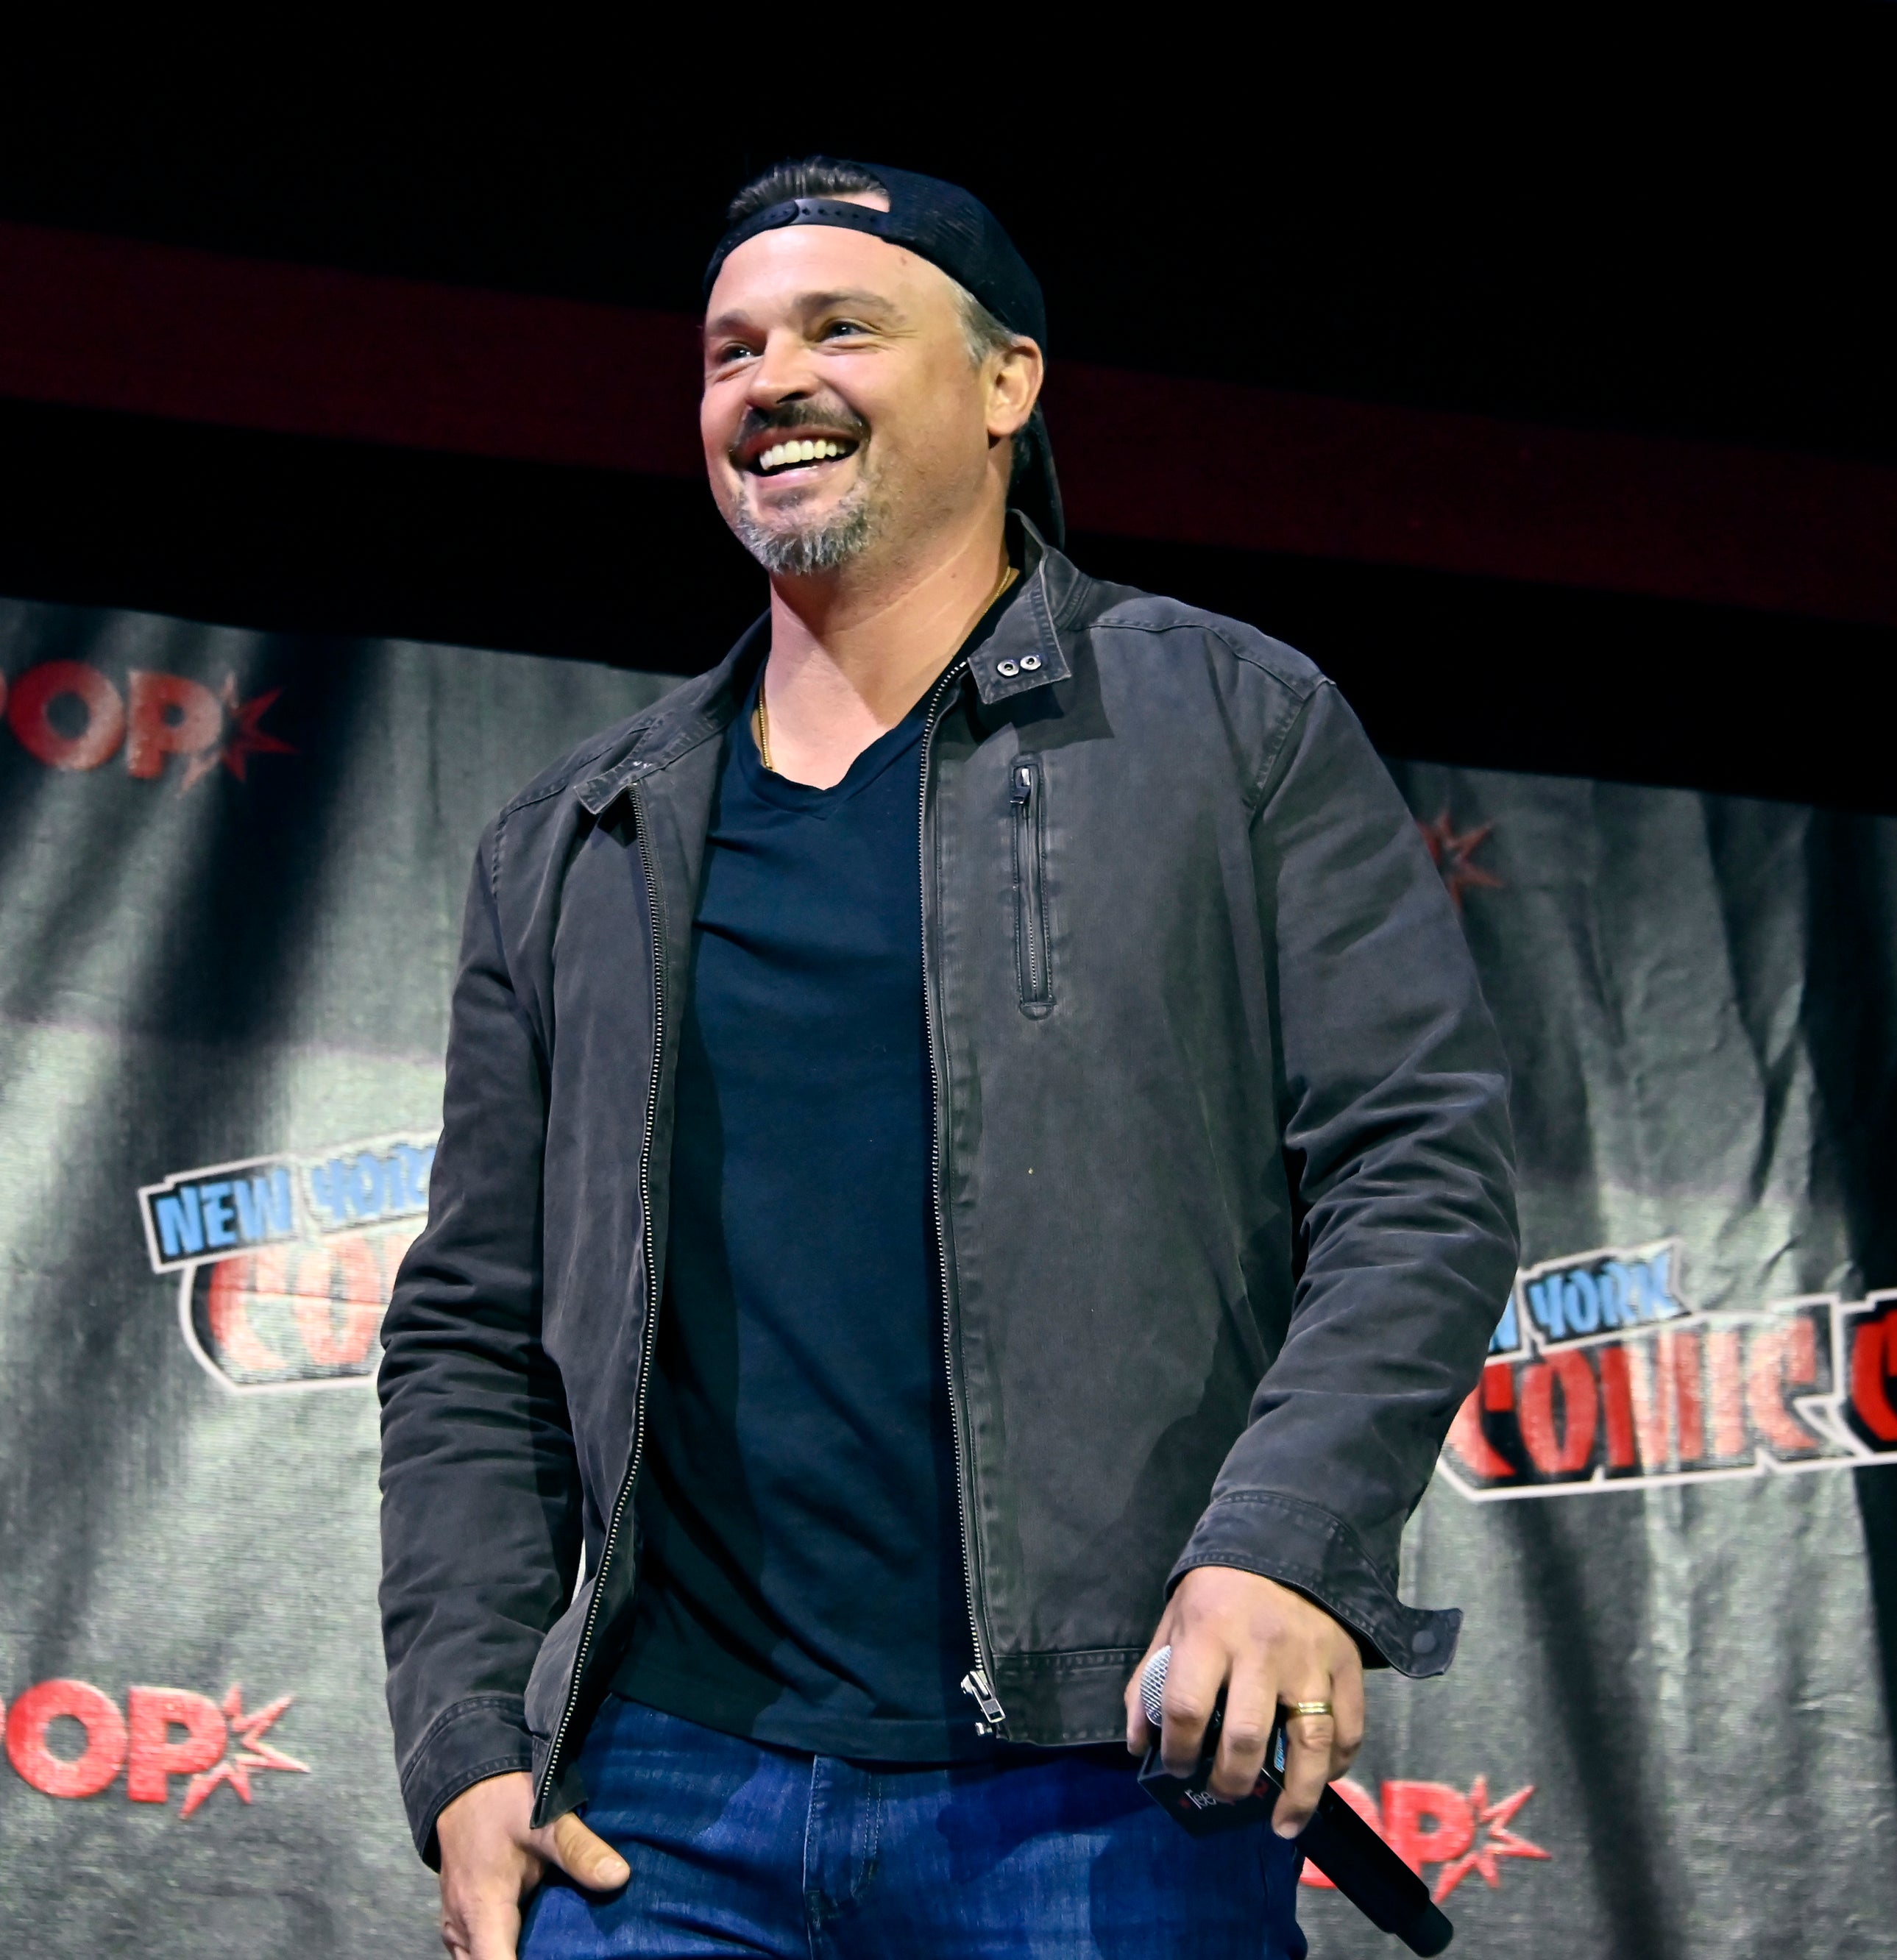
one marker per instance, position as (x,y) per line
(1153,1684)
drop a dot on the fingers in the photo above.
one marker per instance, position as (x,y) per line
(1347,1694)
(1265,1644)
(587,1859)
(1194,1676)
(1307,1762)
(490,1861)
(498,1936)
(1250,1709)
(1140,1734)
(484,1927)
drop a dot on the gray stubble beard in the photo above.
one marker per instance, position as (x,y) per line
(796,551)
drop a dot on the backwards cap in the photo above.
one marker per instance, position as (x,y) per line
(945,224)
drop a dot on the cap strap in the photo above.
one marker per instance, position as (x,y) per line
(805,211)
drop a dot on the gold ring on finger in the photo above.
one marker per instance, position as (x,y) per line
(1311,1708)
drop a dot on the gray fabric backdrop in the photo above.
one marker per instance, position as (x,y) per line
(230,869)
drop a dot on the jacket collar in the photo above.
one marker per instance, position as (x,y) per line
(691,713)
(1021,652)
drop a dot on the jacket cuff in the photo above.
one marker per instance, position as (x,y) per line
(484,1736)
(1284,1537)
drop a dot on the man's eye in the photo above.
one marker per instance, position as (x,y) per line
(839,327)
(734,350)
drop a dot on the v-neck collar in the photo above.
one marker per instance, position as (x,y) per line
(806,798)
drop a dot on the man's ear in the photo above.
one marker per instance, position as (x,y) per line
(1014,387)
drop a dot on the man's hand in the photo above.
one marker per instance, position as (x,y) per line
(491,1861)
(1265,1644)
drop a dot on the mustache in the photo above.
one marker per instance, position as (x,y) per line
(787,416)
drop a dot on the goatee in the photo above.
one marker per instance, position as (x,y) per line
(794,550)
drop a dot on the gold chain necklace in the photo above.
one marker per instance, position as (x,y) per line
(761,715)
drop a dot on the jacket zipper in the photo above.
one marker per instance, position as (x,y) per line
(649,1344)
(977,1683)
(1030,919)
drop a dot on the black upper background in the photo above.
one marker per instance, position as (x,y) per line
(1679,225)
(1688,238)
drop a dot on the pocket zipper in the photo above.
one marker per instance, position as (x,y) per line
(1030,908)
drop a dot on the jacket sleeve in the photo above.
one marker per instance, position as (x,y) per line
(480,1488)
(1392,1094)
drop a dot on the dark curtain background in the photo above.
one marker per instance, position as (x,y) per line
(231,871)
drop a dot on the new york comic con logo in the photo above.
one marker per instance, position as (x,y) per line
(285,1264)
(67,1738)
(70,715)
(1461,1833)
(1603,1375)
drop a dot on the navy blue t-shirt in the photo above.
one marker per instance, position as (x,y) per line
(801,1580)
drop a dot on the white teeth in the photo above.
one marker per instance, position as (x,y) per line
(787,453)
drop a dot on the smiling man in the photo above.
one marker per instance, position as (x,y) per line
(971,1150)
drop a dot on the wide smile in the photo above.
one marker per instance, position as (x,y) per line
(790,453)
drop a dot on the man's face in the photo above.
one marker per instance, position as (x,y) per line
(842,410)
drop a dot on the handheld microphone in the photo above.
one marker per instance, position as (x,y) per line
(1336,1840)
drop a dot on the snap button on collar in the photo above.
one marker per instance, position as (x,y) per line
(1030,663)
(1009,667)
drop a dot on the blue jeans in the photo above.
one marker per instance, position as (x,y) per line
(739,1848)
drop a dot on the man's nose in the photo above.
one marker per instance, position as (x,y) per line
(781,373)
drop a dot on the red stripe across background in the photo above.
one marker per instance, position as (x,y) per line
(160,330)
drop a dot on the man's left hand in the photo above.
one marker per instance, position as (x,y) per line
(1264,1645)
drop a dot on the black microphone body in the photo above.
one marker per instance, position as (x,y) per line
(1338,1842)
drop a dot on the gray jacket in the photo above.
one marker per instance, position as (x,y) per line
(1222,1174)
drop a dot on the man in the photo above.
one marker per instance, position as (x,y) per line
(972,1150)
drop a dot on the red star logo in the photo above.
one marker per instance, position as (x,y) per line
(1452,856)
(1494,1840)
(244,738)
(245,1751)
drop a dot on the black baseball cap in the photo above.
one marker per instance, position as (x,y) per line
(955,231)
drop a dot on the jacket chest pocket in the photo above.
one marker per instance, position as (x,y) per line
(1027,797)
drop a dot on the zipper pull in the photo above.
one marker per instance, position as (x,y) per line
(1022,787)
(994,1716)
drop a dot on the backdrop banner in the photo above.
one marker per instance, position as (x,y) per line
(231,866)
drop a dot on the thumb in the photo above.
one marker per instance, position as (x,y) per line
(586,1858)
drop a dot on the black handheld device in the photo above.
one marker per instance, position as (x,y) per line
(1336,1840)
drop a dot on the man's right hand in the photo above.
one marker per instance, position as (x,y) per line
(491,1861)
